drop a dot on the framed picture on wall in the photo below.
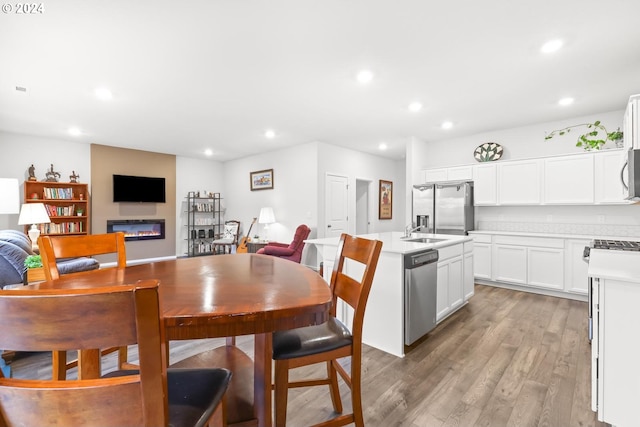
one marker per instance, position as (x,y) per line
(261,180)
(385,202)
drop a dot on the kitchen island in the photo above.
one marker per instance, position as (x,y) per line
(384,321)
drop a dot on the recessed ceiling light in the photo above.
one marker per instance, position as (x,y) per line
(565,101)
(103,94)
(551,46)
(365,76)
(270,134)
(208,152)
(414,107)
(75,131)
(446,125)
(382,146)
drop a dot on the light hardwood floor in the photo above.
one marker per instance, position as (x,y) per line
(507,358)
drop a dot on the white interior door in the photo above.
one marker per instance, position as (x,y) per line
(336,205)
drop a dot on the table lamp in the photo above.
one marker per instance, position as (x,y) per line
(9,199)
(33,213)
(266,217)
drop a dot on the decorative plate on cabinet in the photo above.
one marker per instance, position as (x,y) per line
(488,152)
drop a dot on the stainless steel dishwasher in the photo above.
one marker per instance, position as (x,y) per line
(420,294)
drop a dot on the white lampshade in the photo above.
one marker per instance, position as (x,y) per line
(266,216)
(33,213)
(9,198)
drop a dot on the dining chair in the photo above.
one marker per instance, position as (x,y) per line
(56,248)
(229,239)
(41,320)
(331,340)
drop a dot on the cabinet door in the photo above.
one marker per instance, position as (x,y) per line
(519,183)
(482,260)
(456,285)
(460,173)
(433,175)
(468,284)
(442,299)
(485,185)
(568,180)
(575,270)
(546,267)
(607,179)
(509,263)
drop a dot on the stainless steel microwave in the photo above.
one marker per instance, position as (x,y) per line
(632,183)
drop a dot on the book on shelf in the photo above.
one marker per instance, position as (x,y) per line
(53,211)
(58,193)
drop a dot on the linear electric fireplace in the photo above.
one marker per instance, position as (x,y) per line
(138,229)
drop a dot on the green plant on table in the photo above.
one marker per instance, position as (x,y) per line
(595,137)
(33,261)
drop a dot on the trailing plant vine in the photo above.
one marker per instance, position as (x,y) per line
(593,139)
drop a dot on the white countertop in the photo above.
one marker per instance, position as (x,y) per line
(393,241)
(613,264)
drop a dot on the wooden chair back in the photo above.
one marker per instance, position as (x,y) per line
(41,320)
(350,290)
(57,247)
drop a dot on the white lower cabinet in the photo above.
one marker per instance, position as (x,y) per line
(450,283)
(615,391)
(524,260)
(575,269)
(509,263)
(468,283)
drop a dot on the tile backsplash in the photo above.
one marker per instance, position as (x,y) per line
(591,230)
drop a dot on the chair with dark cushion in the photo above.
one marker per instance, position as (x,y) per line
(331,340)
(34,320)
(291,251)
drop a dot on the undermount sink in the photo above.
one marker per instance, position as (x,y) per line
(424,240)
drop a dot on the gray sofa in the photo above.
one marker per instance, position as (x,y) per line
(15,247)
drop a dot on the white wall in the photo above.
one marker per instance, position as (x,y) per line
(517,143)
(18,152)
(193,175)
(362,166)
(293,198)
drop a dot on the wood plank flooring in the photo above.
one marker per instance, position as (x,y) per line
(507,358)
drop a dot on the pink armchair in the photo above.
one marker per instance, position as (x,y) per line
(292,251)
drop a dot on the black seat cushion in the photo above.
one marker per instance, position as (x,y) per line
(194,394)
(309,340)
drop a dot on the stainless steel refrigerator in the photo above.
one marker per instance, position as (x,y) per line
(443,207)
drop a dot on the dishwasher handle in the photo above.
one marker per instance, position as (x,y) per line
(418,259)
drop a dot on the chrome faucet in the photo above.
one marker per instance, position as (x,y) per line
(408,230)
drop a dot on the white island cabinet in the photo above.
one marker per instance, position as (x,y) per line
(384,319)
(615,351)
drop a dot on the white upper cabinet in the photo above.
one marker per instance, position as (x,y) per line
(519,182)
(608,177)
(485,185)
(568,180)
(434,175)
(457,173)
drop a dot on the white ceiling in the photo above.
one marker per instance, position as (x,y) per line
(187,76)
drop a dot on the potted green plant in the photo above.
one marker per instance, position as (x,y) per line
(617,137)
(33,261)
(595,137)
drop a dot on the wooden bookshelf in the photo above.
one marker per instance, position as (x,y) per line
(67,204)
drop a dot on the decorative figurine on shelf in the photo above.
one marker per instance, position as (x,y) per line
(73,177)
(32,173)
(51,175)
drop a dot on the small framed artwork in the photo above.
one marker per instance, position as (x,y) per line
(386,200)
(261,180)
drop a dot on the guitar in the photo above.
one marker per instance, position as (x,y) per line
(242,246)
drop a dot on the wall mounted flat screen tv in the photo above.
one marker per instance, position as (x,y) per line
(127,188)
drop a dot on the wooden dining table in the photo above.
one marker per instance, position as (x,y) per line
(225,296)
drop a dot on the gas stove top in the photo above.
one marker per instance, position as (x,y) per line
(619,245)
